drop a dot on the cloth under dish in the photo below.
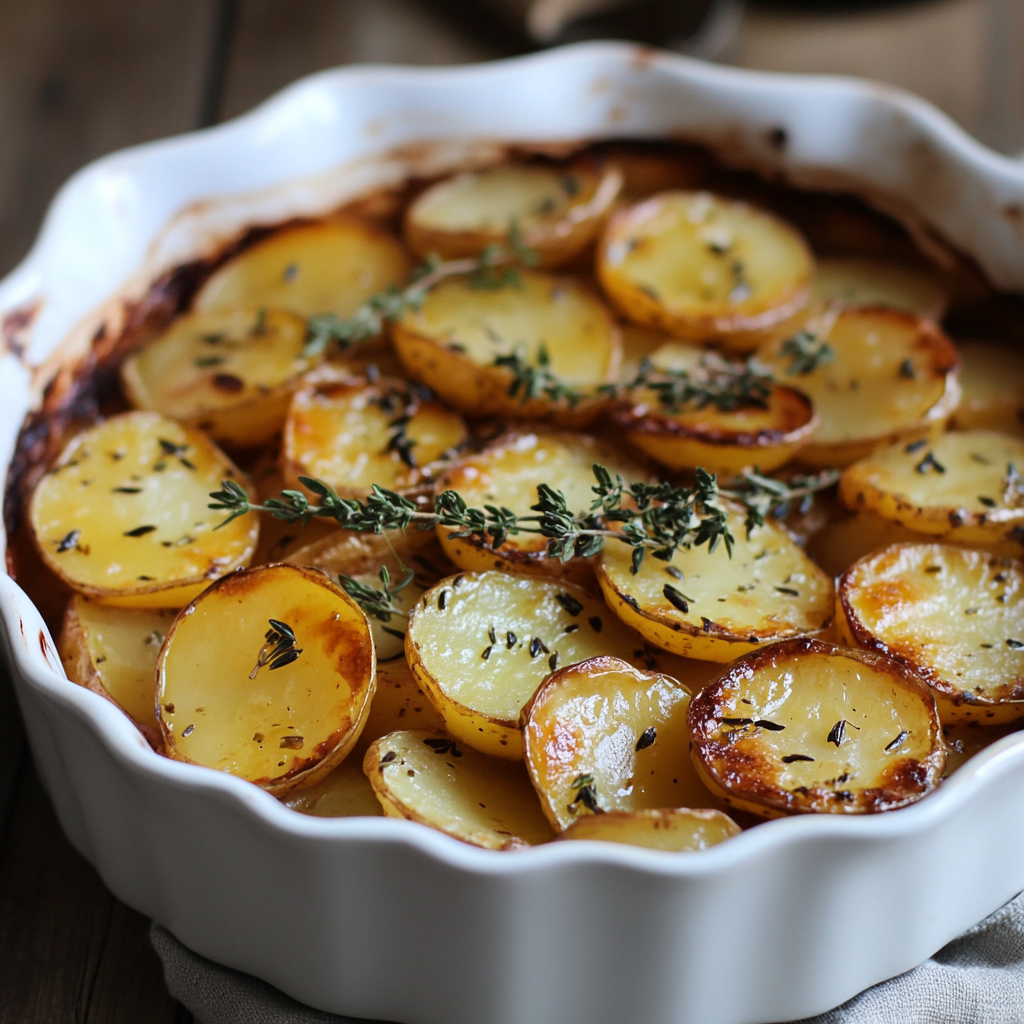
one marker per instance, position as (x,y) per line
(976,979)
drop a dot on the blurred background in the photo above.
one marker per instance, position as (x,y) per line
(79,78)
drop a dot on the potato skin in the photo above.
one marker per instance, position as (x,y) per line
(747,779)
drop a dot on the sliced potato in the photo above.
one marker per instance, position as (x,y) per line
(113,652)
(955,617)
(362,554)
(345,792)
(965,739)
(860,282)
(353,434)
(481,643)
(602,735)
(557,210)
(765,432)
(675,830)
(654,168)
(451,344)
(426,777)
(399,703)
(231,372)
(893,377)
(506,473)
(804,726)
(707,605)
(992,379)
(962,487)
(123,515)
(332,266)
(278,710)
(638,345)
(706,268)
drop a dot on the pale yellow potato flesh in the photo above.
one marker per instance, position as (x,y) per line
(345,792)
(230,372)
(768,590)
(277,727)
(479,685)
(860,282)
(804,726)
(556,210)
(992,382)
(955,617)
(640,343)
(332,266)
(893,377)
(674,830)
(113,652)
(340,551)
(704,267)
(349,435)
(399,703)
(123,514)
(767,435)
(451,342)
(506,473)
(614,731)
(957,486)
(427,777)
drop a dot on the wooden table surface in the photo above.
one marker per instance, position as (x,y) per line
(79,78)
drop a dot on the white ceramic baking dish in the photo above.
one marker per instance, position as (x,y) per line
(387,919)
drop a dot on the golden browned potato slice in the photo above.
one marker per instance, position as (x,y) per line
(506,473)
(965,739)
(710,606)
(806,726)
(860,282)
(602,735)
(893,377)
(427,777)
(353,434)
(638,345)
(557,210)
(767,431)
(399,703)
(344,552)
(113,652)
(846,540)
(955,617)
(705,268)
(650,169)
(123,515)
(230,372)
(345,792)
(267,675)
(963,487)
(481,643)
(560,332)
(674,830)
(332,266)
(992,380)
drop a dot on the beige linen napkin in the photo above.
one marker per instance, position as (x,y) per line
(976,979)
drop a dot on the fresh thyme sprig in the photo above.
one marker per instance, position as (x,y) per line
(279,647)
(495,267)
(535,380)
(379,603)
(806,351)
(765,497)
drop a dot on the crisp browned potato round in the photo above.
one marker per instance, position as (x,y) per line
(123,516)
(860,282)
(480,643)
(602,735)
(331,266)
(113,652)
(992,381)
(707,605)
(557,210)
(963,487)
(267,675)
(706,268)
(427,777)
(674,830)
(956,617)
(231,372)
(893,377)
(805,726)
(559,330)
(354,433)
(766,432)
(345,792)
(506,473)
